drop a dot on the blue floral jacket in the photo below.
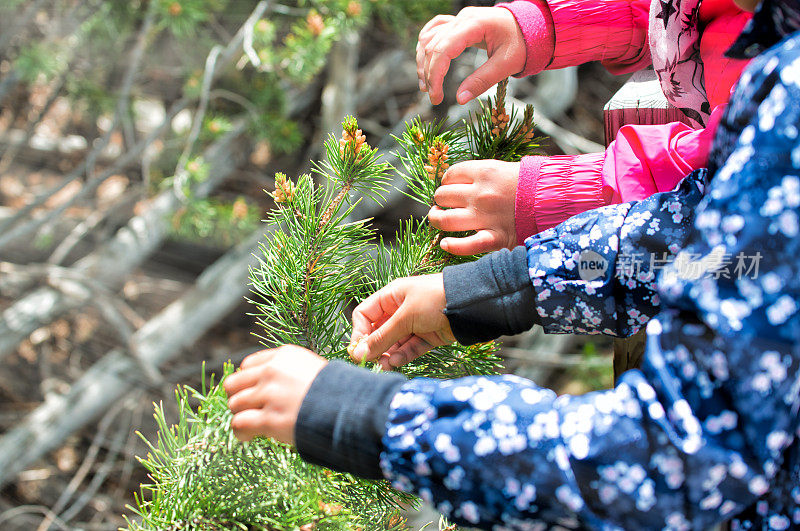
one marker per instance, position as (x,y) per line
(707,431)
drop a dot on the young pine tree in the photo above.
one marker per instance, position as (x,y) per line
(316,263)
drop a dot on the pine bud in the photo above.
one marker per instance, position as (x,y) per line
(214,126)
(437,160)
(239,210)
(175,9)
(396,520)
(315,23)
(194,166)
(526,131)
(499,116)
(416,135)
(354,8)
(284,189)
(352,138)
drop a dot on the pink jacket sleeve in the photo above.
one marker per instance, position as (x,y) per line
(563,33)
(643,160)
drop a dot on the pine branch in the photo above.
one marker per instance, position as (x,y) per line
(202,478)
(315,264)
(494,133)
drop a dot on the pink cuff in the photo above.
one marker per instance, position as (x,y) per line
(524,217)
(536,24)
(611,31)
(553,189)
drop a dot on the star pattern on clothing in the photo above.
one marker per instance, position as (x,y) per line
(674,34)
(667,10)
(691,19)
(669,85)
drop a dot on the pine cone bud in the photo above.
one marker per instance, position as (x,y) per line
(500,118)
(330,509)
(437,160)
(175,9)
(284,189)
(194,166)
(353,138)
(526,131)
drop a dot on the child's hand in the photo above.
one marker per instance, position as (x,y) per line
(266,394)
(401,321)
(479,195)
(445,37)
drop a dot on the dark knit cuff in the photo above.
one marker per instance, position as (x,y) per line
(491,297)
(343,418)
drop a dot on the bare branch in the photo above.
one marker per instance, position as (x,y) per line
(11,152)
(7,235)
(101,474)
(217,291)
(181,175)
(338,95)
(76,235)
(84,290)
(225,55)
(88,166)
(86,466)
(32,509)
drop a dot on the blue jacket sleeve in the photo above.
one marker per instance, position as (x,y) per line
(708,429)
(595,273)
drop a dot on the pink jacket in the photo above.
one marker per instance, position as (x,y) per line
(643,159)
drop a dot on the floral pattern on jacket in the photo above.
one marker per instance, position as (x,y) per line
(632,240)
(708,429)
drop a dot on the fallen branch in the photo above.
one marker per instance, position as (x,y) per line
(110,264)
(85,467)
(338,97)
(24,510)
(217,291)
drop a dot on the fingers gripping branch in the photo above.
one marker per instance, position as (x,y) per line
(401,321)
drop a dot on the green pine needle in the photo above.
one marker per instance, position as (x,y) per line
(314,267)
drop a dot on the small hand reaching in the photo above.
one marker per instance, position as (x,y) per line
(445,37)
(266,394)
(401,321)
(477,195)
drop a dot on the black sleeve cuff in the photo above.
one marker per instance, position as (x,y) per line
(490,297)
(343,418)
